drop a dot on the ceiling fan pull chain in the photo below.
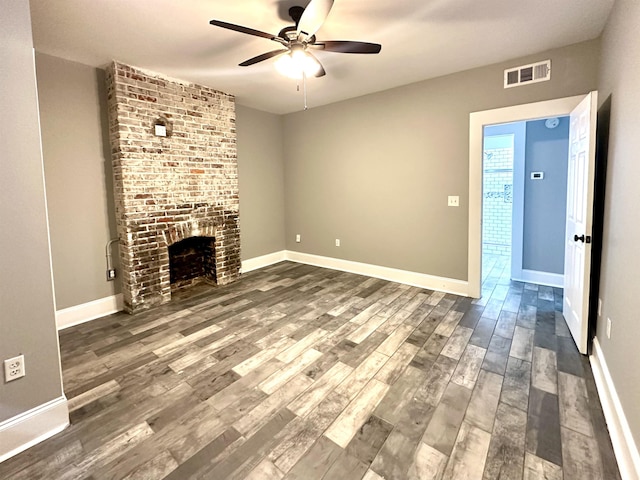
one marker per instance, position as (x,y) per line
(304,88)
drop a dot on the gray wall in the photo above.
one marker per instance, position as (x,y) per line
(27,322)
(77,162)
(620,78)
(376,171)
(261,182)
(545,201)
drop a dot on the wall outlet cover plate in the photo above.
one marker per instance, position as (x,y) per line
(14,368)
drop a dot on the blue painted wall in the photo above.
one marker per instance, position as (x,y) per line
(545,201)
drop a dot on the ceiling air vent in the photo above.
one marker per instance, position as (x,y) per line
(533,73)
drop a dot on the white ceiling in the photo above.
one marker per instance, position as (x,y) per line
(420,39)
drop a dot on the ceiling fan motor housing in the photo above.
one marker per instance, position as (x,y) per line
(288,33)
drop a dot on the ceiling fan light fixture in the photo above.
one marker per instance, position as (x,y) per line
(294,63)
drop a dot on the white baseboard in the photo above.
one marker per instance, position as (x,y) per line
(624,446)
(32,427)
(68,317)
(263,261)
(422,280)
(541,278)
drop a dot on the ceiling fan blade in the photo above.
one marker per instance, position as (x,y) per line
(345,46)
(321,72)
(313,17)
(264,56)
(241,29)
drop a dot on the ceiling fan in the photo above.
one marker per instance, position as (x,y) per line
(297,40)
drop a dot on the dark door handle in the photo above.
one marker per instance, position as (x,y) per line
(582,238)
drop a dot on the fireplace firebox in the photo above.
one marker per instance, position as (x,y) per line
(191,261)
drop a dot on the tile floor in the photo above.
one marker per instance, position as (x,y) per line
(303,372)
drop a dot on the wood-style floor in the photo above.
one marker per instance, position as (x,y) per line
(300,372)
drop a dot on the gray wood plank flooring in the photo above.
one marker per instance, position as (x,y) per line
(301,372)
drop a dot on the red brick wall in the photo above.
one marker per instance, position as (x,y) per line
(170,188)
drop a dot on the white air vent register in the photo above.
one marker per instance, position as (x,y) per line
(525,74)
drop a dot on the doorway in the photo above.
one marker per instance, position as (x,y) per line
(524,196)
(477,121)
(580,183)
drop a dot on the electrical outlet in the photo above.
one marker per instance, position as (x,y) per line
(14,368)
(608,327)
(298,238)
(454,201)
(111,274)
(337,242)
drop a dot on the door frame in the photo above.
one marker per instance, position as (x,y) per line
(477,121)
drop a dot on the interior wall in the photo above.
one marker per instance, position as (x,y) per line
(376,171)
(620,79)
(261,182)
(27,324)
(77,162)
(545,200)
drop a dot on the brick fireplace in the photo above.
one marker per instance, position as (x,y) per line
(172,188)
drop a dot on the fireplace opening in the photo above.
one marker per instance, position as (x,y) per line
(192,261)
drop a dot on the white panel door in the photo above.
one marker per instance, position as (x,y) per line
(580,186)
